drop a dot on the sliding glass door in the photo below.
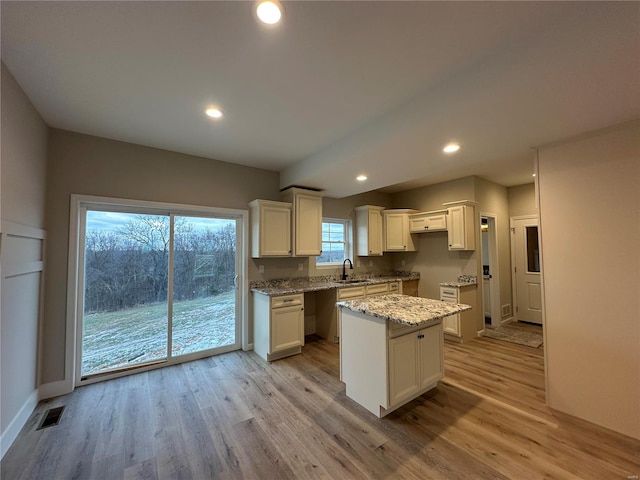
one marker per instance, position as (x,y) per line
(204,284)
(157,287)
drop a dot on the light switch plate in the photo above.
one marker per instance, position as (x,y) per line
(260,268)
(300,266)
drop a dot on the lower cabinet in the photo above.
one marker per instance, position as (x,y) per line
(462,326)
(278,325)
(398,364)
(415,364)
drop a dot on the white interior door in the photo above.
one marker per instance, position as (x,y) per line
(525,252)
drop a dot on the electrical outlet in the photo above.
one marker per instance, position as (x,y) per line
(300,266)
(402,263)
(358,263)
(371,263)
(260,268)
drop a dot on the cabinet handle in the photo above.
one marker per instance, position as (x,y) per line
(426,227)
(286,300)
(290,251)
(420,336)
(301,309)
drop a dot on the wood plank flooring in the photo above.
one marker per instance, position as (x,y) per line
(234,416)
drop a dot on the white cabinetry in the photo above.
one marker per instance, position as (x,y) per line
(270,229)
(461,225)
(397,237)
(397,365)
(278,325)
(415,363)
(426,222)
(306,221)
(369,230)
(462,326)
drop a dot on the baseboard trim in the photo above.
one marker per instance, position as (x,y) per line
(54,389)
(13,429)
(506,321)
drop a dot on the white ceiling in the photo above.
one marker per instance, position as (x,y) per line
(339,88)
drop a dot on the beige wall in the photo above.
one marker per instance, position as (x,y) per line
(434,261)
(522,200)
(22,187)
(83,164)
(590,228)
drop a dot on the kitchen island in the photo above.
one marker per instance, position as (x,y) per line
(391,349)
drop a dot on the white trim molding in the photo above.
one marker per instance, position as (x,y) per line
(10,433)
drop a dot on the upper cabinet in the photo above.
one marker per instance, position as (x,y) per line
(461,225)
(425,222)
(270,229)
(306,221)
(397,237)
(369,230)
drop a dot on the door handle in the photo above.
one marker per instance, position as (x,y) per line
(235,282)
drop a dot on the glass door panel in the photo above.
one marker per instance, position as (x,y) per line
(204,278)
(125,317)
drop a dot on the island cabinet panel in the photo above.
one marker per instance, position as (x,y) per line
(415,364)
(404,368)
(399,363)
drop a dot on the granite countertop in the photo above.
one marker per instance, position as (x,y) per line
(404,309)
(288,286)
(462,281)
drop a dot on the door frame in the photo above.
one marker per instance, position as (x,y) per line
(514,290)
(494,282)
(75,272)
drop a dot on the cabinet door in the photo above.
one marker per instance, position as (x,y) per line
(431,355)
(418,224)
(395,234)
(451,324)
(404,368)
(456,228)
(308,225)
(287,328)
(275,231)
(374,234)
(436,223)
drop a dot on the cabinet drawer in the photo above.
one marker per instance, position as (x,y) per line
(449,293)
(378,289)
(287,301)
(394,287)
(397,329)
(351,292)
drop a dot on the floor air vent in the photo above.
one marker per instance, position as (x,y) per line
(51,417)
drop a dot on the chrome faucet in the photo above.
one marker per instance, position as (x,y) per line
(344,271)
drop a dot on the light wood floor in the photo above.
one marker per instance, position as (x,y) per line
(235,416)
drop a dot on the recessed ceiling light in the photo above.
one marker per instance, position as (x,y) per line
(269,11)
(213,112)
(451,148)
(533,175)
(361,178)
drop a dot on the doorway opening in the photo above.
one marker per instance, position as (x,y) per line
(490,271)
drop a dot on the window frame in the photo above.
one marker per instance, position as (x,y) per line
(348,242)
